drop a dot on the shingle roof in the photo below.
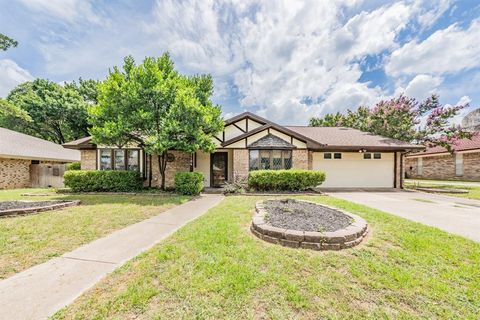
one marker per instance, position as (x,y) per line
(460,145)
(348,138)
(271,141)
(82,143)
(21,146)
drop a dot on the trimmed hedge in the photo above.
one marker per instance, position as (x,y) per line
(189,183)
(103,180)
(284,180)
(73,166)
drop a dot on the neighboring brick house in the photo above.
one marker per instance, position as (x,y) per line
(349,157)
(27,161)
(437,163)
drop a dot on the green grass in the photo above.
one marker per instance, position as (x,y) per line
(213,268)
(473,192)
(28,240)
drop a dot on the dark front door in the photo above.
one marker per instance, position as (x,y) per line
(218,168)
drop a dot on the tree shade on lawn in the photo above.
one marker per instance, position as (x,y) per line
(214,268)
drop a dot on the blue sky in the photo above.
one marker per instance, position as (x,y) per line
(286,60)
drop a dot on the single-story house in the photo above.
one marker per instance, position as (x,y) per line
(437,163)
(27,161)
(350,158)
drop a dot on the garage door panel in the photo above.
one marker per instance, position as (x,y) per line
(353,171)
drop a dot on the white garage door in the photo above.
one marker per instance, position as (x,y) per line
(353,171)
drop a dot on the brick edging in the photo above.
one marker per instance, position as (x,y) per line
(336,240)
(25,211)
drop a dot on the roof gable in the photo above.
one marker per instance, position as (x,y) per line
(271,141)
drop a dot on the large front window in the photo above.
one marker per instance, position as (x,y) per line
(120,159)
(270,159)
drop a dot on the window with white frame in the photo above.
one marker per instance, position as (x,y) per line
(335,155)
(368,156)
(459,164)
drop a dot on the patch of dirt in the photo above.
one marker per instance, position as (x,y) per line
(304,216)
(9,205)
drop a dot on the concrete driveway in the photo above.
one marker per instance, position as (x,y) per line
(455,215)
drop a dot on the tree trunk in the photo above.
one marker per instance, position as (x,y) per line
(162,164)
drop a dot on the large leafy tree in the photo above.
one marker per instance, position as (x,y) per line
(47,110)
(6,42)
(403,118)
(153,105)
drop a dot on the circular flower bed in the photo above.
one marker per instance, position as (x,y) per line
(305,224)
(13,208)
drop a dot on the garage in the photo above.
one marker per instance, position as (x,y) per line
(356,169)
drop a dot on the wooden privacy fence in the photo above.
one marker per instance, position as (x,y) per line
(47,175)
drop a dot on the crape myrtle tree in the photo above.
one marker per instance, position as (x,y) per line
(47,110)
(6,42)
(403,118)
(151,104)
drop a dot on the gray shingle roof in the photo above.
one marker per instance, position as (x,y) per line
(271,141)
(22,146)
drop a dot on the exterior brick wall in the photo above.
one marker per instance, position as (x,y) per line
(180,164)
(240,164)
(88,159)
(300,159)
(14,173)
(443,167)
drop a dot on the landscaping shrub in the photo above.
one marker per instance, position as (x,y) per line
(284,180)
(189,183)
(106,181)
(73,166)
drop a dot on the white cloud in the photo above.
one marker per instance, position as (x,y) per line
(67,10)
(12,75)
(446,51)
(422,86)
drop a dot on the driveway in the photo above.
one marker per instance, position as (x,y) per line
(455,215)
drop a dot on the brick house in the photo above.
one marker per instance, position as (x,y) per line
(350,158)
(27,161)
(438,163)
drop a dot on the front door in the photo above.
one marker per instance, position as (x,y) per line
(218,168)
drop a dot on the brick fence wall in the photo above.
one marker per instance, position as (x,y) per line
(443,167)
(14,173)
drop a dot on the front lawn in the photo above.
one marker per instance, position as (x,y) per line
(473,191)
(213,268)
(28,240)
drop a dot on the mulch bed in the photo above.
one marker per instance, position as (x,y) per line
(304,216)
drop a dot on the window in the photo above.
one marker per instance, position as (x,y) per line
(132,160)
(270,159)
(458,164)
(377,156)
(119,159)
(337,156)
(105,159)
(327,156)
(367,156)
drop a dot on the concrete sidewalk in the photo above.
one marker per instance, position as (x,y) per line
(40,291)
